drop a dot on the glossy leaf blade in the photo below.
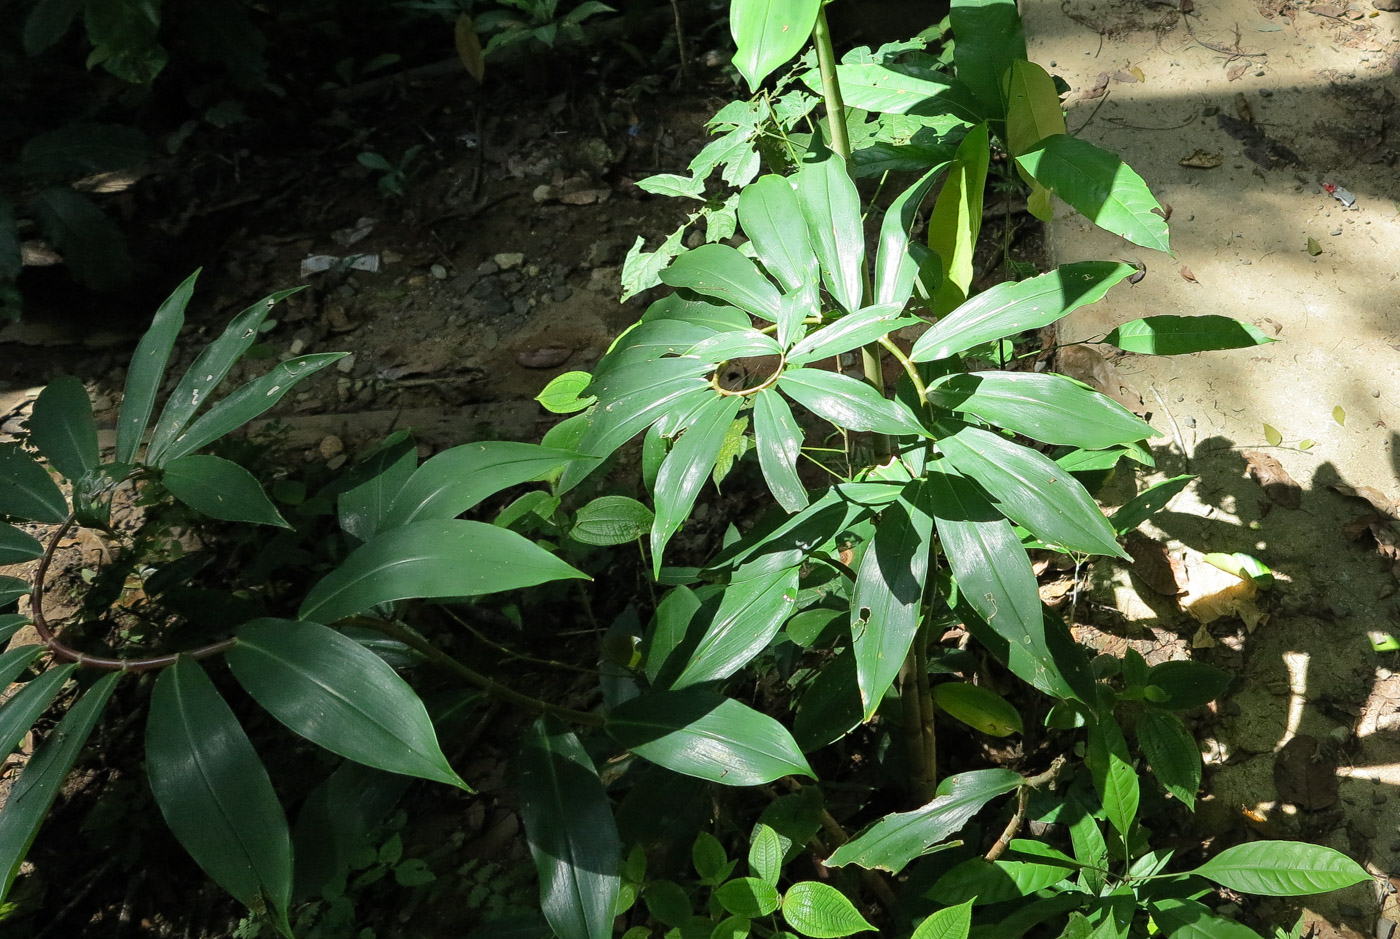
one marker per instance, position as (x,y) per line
(749,616)
(1191,919)
(957,220)
(895,840)
(1099,186)
(767,33)
(62,428)
(687,466)
(903,89)
(26,491)
(148,368)
(953,922)
(831,207)
(848,402)
(16,546)
(33,792)
(435,558)
(213,790)
(19,712)
(247,402)
(1172,753)
(1042,406)
(1010,308)
(1282,869)
(569,826)
(1111,767)
(1181,335)
(220,489)
(721,272)
(990,39)
(14,661)
(339,695)
(895,268)
(851,331)
(708,736)
(650,391)
(779,441)
(772,218)
(373,484)
(821,911)
(1032,490)
(1147,503)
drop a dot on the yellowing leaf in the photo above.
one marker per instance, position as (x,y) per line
(1313,247)
(1306,444)
(1138,73)
(978,707)
(1271,435)
(1339,415)
(957,220)
(469,47)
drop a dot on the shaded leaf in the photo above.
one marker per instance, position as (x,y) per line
(62,428)
(143,378)
(1111,767)
(779,442)
(16,546)
(84,149)
(749,616)
(749,897)
(978,707)
(92,246)
(1172,753)
(610,520)
(1042,406)
(687,466)
(990,39)
(25,706)
(848,402)
(220,489)
(895,266)
(1187,684)
(26,491)
(373,483)
(47,23)
(1190,919)
(1179,335)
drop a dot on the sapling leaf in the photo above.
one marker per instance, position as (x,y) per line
(1180,335)
(26,491)
(62,428)
(749,616)
(147,369)
(848,402)
(564,393)
(721,272)
(990,39)
(1045,407)
(779,442)
(1172,753)
(220,489)
(749,897)
(611,520)
(895,266)
(1282,869)
(768,33)
(957,218)
(1191,919)
(686,468)
(821,911)
(1188,684)
(710,859)
(1111,768)
(953,922)
(772,218)
(765,854)
(831,206)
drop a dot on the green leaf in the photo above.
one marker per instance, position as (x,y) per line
(214,792)
(848,402)
(821,911)
(1033,112)
(431,559)
(721,272)
(981,881)
(1100,186)
(22,709)
(11,589)
(92,245)
(767,33)
(749,897)
(831,206)
(954,922)
(990,39)
(779,442)
(13,662)
(16,546)
(1282,869)
(339,695)
(708,736)
(850,332)
(1010,308)
(642,269)
(673,185)
(1272,437)
(564,393)
(632,398)
(1190,919)
(1179,335)
(765,854)
(687,466)
(1042,406)
(455,480)
(33,792)
(1187,684)
(668,903)
(1090,849)
(609,520)
(957,219)
(1172,753)
(710,859)
(749,616)
(207,372)
(978,707)
(220,489)
(772,218)
(26,491)
(888,595)
(143,379)
(246,402)
(570,828)
(11,623)
(897,839)
(1147,503)
(895,267)
(47,23)
(1111,767)
(830,706)
(62,427)
(123,35)
(373,483)
(1032,491)
(902,89)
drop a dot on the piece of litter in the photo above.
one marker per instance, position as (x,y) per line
(1343,196)
(317,263)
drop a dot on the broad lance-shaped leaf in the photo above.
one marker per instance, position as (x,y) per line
(1282,869)
(62,427)
(33,792)
(11,589)
(247,402)
(16,546)
(1099,186)
(1147,503)
(207,372)
(957,219)
(374,483)
(11,623)
(767,33)
(706,735)
(748,618)
(686,468)
(772,218)
(456,480)
(897,839)
(1192,919)
(1111,768)
(339,695)
(220,489)
(1014,307)
(889,594)
(895,267)
(1180,335)
(779,441)
(19,712)
(902,89)
(848,402)
(436,558)
(1042,406)
(721,272)
(214,792)
(1172,753)
(570,829)
(148,368)
(26,491)
(1031,489)
(831,206)
(1033,112)
(990,40)
(14,661)
(850,332)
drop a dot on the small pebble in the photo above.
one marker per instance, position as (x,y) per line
(487,268)
(509,260)
(336,462)
(345,365)
(1375,392)
(331,446)
(438,271)
(296,346)
(544,357)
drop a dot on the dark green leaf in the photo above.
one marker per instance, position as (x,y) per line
(1179,335)
(634,397)
(374,483)
(706,735)
(989,40)
(1189,685)
(821,911)
(668,903)
(1190,919)
(16,546)
(1147,503)
(1172,753)
(11,589)
(92,245)
(148,368)
(897,839)
(903,89)
(979,707)
(220,489)
(749,616)
(721,272)
(33,792)
(62,427)
(10,623)
(571,832)
(850,332)
(831,207)
(769,32)
(830,705)
(981,881)
(895,267)
(687,466)
(1100,186)
(848,402)
(339,695)
(1042,406)
(772,218)
(779,441)
(14,661)
(1011,307)
(21,710)
(1032,490)
(953,922)
(750,897)
(1282,869)
(26,491)
(84,149)
(1111,767)
(674,614)
(247,402)
(609,520)
(710,859)
(47,22)
(431,559)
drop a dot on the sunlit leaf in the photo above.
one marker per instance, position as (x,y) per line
(1180,335)
(1282,869)
(832,209)
(749,616)
(767,33)
(686,468)
(821,911)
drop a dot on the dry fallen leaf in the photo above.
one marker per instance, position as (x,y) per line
(1379,501)
(1155,565)
(1273,479)
(1187,276)
(1235,71)
(1303,777)
(544,357)
(1202,160)
(1242,107)
(1085,364)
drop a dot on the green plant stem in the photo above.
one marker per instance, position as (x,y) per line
(494,688)
(908,365)
(831,87)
